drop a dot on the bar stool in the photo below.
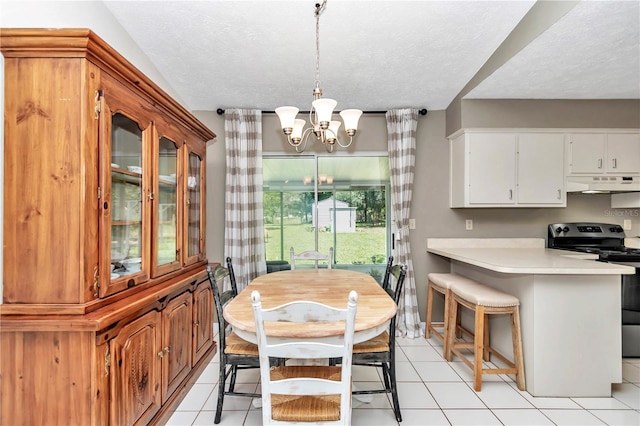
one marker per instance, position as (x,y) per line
(441,282)
(485,301)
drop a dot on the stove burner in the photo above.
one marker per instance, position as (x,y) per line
(604,239)
(625,254)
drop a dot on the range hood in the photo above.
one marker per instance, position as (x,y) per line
(603,184)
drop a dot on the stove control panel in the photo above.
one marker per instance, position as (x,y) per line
(589,229)
(585,230)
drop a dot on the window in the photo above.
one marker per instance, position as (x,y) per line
(317,202)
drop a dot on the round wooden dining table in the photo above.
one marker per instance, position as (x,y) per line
(375,308)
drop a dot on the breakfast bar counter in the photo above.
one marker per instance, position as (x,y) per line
(570,307)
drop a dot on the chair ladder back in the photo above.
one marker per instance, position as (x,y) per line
(311,255)
(304,349)
(220,300)
(302,311)
(399,272)
(387,273)
(310,385)
(232,277)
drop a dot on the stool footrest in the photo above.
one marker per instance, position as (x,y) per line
(438,334)
(501,357)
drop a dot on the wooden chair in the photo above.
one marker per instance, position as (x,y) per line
(380,351)
(311,255)
(312,394)
(235,353)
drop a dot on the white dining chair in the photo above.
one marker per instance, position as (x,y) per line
(313,394)
(311,255)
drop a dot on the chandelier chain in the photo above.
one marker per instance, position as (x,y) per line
(318,12)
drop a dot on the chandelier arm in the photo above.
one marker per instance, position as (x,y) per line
(347,145)
(292,143)
(305,138)
(313,119)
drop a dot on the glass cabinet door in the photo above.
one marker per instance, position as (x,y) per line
(124,133)
(194,238)
(127,240)
(166,233)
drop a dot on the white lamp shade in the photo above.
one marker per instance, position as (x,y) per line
(287,116)
(334,126)
(350,118)
(298,125)
(324,108)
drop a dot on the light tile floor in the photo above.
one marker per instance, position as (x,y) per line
(433,392)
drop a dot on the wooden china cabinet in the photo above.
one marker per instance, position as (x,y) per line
(107,313)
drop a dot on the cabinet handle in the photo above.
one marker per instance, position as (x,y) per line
(166,350)
(511,194)
(96,105)
(615,163)
(107,361)
(196,324)
(599,163)
(559,194)
(161,354)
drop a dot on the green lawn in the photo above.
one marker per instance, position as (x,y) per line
(365,246)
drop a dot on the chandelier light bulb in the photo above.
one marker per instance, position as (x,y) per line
(287,115)
(332,133)
(298,126)
(350,118)
(324,109)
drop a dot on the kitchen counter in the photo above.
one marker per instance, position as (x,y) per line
(570,310)
(532,261)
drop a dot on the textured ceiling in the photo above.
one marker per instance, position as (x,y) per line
(377,55)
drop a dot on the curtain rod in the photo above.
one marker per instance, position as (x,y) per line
(422,111)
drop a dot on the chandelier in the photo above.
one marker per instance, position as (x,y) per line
(322,127)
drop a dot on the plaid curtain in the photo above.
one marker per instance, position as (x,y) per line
(244,227)
(401,128)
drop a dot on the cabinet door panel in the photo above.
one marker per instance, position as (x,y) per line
(166,230)
(194,208)
(623,153)
(135,371)
(202,320)
(586,153)
(176,346)
(540,168)
(492,170)
(125,133)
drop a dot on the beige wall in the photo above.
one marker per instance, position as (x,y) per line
(545,113)
(430,203)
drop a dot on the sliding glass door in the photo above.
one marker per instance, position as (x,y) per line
(318,202)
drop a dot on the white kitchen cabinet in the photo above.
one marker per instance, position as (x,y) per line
(507,169)
(541,169)
(603,153)
(492,167)
(623,153)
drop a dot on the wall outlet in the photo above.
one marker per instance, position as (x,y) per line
(469,224)
(626,224)
(412,224)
